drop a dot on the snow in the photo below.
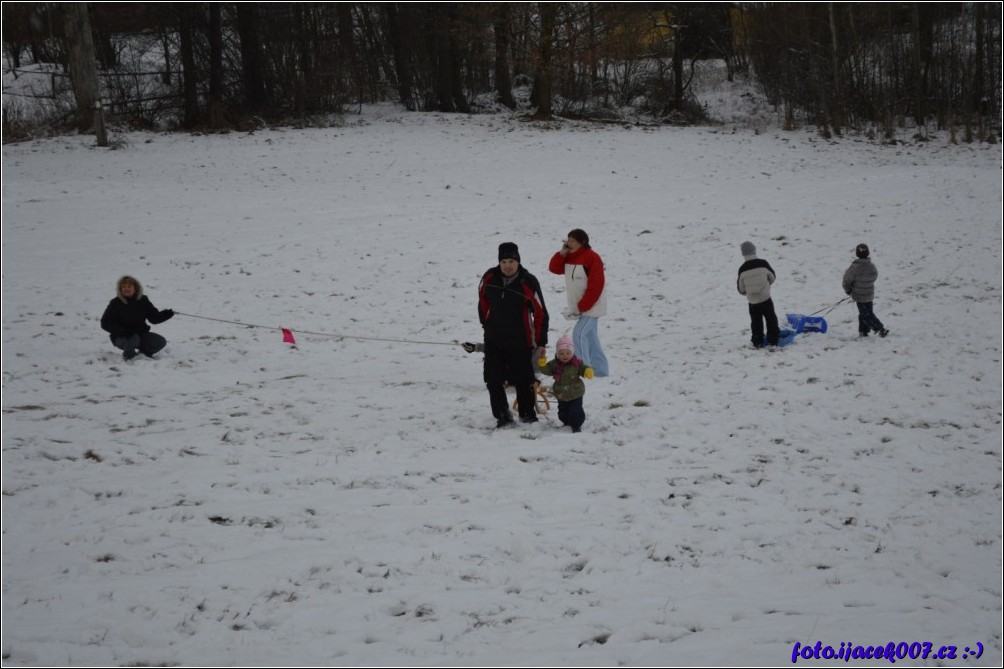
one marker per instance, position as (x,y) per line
(238,501)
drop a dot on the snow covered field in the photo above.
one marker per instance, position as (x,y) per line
(238,501)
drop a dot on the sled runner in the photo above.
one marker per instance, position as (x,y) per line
(785,337)
(543,403)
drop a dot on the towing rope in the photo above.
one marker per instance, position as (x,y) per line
(321,334)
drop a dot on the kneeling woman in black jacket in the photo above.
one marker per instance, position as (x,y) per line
(125,319)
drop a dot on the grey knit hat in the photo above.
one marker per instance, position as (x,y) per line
(748,249)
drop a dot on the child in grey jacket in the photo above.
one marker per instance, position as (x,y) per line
(755,279)
(859,283)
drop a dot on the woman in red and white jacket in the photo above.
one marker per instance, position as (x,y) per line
(585,285)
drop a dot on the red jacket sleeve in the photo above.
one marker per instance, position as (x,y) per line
(540,316)
(483,304)
(594,286)
(557,265)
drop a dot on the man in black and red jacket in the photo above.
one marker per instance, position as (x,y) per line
(512,313)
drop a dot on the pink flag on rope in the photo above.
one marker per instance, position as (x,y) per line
(287,336)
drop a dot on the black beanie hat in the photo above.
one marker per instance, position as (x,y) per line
(508,251)
(861,251)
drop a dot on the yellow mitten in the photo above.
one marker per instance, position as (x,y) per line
(542,361)
(588,373)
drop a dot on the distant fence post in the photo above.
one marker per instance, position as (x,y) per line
(99,123)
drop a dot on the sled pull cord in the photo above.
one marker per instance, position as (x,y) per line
(320,334)
(826,310)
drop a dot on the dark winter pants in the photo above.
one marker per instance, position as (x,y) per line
(504,365)
(867,320)
(572,413)
(148,343)
(758,314)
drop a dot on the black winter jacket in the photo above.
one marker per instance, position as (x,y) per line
(513,314)
(124,318)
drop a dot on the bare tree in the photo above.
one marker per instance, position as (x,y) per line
(401,51)
(438,46)
(252,65)
(835,64)
(216,115)
(542,81)
(503,81)
(456,59)
(189,73)
(82,64)
(347,60)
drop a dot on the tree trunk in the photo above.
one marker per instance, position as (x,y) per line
(216,115)
(542,81)
(438,41)
(401,63)
(979,103)
(252,68)
(347,61)
(919,108)
(592,47)
(166,44)
(189,74)
(81,62)
(303,68)
(503,82)
(836,98)
(677,68)
(456,59)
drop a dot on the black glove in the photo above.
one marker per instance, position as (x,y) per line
(167,314)
(469,347)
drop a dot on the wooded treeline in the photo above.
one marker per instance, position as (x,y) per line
(837,65)
(878,62)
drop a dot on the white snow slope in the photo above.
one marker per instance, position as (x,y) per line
(238,501)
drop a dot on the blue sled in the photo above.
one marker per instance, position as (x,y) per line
(786,337)
(800,323)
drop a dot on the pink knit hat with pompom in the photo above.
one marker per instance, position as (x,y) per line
(565,342)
